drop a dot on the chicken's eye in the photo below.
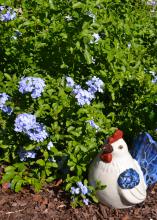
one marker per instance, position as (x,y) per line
(120,147)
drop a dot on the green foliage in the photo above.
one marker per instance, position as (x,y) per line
(55,42)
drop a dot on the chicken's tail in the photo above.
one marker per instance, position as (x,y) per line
(145,152)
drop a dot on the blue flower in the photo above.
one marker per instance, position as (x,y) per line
(129,45)
(16,35)
(83,96)
(52,159)
(92,123)
(50,145)
(7,109)
(1,8)
(33,85)
(75,190)
(70,82)
(37,133)
(24,155)
(90,14)
(68,18)
(84,189)
(154,75)
(96,38)
(95,84)
(3,98)
(79,184)
(7,13)
(86,201)
(76,89)
(152,2)
(27,124)
(24,122)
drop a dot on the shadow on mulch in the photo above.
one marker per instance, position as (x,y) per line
(51,205)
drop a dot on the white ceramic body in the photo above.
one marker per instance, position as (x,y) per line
(108,173)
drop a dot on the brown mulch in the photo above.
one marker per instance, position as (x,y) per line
(52,205)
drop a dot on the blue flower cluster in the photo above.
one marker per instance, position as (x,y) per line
(84,96)
(3,98)
(24,155)
(70,82)
(7,13)
(34,85)
(38,133)
(128,179)
(80,189)
(83,188)
(75,190)
(27,124)
(152,2)
(24,122)
(95,85)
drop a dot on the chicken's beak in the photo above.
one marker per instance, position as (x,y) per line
(107,148)
(106,155)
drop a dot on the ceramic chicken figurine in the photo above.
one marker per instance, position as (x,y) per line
(125,175)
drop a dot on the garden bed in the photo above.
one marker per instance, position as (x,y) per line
(53,204)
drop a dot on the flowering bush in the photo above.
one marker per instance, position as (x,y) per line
(70,73)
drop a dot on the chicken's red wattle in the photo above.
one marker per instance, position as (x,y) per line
(106,157)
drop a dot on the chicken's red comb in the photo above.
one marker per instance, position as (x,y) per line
(117,135)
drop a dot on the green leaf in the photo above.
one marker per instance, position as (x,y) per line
(46,155)
(18,185)
(94,199)
(73,158)
(87,57)
(37,184)
(8,77)
(77,5)
(55,165)
(79,170)
(14,181)
(68,186)
(41,162)
(20,167)
(50,179)
(9,169)
(29,147)
(8,176)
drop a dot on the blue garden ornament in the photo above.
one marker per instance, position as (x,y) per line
(145,153)
(127,175)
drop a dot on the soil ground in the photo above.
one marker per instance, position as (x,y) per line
(51,204)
